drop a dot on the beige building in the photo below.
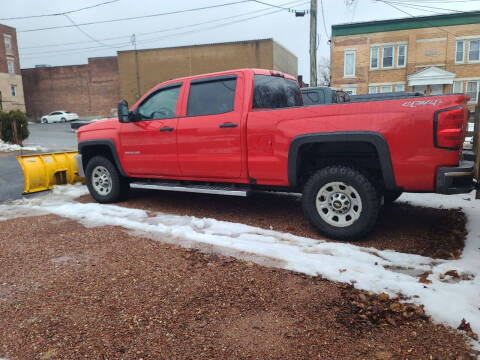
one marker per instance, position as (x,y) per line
(433,54)
(143,69)
(11,87)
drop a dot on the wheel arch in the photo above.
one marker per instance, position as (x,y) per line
(372,140)
(104,147)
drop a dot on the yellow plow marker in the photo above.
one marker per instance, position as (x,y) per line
(43,171)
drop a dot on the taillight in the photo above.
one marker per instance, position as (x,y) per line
(449,128)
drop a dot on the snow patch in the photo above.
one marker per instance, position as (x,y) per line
(6,147)
(366,268)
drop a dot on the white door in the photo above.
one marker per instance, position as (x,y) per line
(436,89)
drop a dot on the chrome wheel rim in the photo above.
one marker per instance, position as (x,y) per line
(338,204)
(102,180)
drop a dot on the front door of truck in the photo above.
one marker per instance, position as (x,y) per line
(209,136)
(149,143)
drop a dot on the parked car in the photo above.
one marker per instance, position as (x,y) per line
(241,130)
(468,143)
(323,95)
(58,116)
(385,96)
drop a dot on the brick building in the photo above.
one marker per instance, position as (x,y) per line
(90,89)
(157,65)
(11,87)
(432,54)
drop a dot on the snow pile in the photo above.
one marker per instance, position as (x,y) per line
(446,299)
(6,147)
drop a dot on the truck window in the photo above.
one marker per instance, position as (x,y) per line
(211,97)
(272,92)
(160,105)
(311,98)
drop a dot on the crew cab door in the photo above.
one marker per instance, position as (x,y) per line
(209,136)
(149,143)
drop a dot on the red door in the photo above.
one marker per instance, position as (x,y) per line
(148,145)
(209,136)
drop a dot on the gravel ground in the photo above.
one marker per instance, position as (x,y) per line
(436,233)
(70,292)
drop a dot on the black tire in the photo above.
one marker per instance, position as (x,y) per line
(63,120)
(390,196)
(119,185)
(365,216)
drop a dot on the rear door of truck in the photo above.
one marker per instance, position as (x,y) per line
(209,135)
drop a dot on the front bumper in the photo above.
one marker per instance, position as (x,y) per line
(456,180)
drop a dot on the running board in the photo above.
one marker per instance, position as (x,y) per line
(201,189)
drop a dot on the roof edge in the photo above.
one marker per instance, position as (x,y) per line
(464,18)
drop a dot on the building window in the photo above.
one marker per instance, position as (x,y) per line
(400,87)
(372,89)
(457,87)
(13,90)
(474,50)
(402,56)
(387,57)
(8,44)
(386,88)
(351,91)
(460,51)
(374,55)
(472,90)
(11,66)
(349,63)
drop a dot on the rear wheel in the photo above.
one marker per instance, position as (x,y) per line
(63,120)
(341,202)
(104,181)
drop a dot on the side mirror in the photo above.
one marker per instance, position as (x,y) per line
(123,112)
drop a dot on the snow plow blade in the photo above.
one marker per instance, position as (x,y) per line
(43,171)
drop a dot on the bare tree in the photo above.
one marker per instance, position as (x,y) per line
(323,77)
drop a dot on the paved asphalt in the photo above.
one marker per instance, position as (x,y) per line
(52,137)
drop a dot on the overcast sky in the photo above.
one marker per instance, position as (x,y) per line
(176,30)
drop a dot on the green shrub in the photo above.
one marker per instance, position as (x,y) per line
(7,119)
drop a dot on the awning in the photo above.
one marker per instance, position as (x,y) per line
(431,76)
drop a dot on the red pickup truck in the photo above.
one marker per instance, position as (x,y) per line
(244,130)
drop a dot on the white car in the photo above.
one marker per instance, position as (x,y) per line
(59,116)
(468,143)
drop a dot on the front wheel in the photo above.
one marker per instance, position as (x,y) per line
(341,202)
(63,120)
(104,181)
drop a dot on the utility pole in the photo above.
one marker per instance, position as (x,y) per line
(313,43)
(134,42)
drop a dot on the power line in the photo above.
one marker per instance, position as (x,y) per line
(413,6)
(59,13)
(137,17)
(276,6)
(425,21)
(297,2)
(323,17)
(121,45)
(85,33)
